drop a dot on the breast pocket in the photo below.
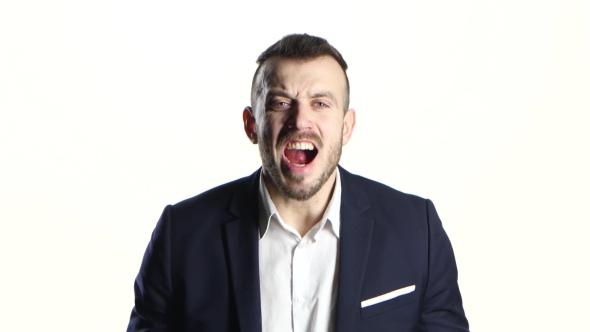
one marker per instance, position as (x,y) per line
(388,301)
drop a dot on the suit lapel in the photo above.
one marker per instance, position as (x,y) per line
(242,247)
(355,240)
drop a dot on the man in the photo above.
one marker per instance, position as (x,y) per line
(301,244)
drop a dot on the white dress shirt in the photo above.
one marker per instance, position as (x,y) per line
(298,276)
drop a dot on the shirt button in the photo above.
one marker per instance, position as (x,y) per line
(299,299)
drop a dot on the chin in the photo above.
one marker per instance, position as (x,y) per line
(300,193)
(302,187)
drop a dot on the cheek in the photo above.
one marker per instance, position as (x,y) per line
(269,133)
(274,125)
(331,130)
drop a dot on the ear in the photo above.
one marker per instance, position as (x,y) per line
(348,126)
(250,124)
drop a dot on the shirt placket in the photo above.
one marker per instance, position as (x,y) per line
(299,280)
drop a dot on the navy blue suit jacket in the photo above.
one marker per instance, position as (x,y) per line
(200,269)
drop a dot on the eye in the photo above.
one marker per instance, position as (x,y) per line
(320,104)
(279,105)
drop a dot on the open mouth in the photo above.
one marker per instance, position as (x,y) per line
(300,153)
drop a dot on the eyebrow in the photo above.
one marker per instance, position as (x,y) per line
(326,94)
(278,93)
(281,93)
(323,94)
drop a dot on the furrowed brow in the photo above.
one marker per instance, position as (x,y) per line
(278,93)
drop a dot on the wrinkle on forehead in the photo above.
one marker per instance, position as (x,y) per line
(271,78)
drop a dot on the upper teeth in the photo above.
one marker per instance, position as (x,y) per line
(300,146)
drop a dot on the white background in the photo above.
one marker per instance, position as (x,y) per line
(109,110)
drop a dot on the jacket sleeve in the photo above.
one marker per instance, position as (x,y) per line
(153,286)
(442,309)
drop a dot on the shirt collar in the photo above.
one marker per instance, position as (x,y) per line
(266,208)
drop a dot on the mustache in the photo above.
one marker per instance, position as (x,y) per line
(299,136)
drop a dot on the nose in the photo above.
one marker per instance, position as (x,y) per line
(300,118)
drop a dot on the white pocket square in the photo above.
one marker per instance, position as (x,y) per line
(388,296)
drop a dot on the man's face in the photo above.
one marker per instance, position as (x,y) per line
(300,123)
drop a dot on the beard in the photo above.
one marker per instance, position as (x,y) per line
(279,173)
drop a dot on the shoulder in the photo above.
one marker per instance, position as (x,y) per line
(214,197)
(378,193)
(390,208)
(215,205)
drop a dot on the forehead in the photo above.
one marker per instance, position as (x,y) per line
(301,76)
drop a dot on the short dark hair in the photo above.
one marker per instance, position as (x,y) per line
(303,47)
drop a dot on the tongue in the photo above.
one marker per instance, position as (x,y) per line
(299,157)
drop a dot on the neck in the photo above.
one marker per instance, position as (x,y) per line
(302,215)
